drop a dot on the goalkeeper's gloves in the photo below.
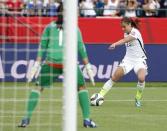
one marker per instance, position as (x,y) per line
(90,73)
(34,71)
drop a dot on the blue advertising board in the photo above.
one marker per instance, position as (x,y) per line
(16,61)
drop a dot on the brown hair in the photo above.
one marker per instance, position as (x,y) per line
(60,14)
(133,21)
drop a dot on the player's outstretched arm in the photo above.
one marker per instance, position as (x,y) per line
(121,42)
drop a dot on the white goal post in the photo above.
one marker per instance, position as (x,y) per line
(70,66)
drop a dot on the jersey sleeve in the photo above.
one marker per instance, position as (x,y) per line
(134,34)
(44,42)
(81,46)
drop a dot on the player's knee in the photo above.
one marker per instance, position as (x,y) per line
(118,74)
(116,77)
(141,79)
(81,88)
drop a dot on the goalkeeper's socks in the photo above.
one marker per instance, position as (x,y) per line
(32,102)
(140,88)
(106,87)
(84,103)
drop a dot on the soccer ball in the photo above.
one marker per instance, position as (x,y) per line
(96,99)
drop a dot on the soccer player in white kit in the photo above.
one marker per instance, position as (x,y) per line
(134,59)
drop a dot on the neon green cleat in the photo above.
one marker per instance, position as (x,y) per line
(137,103)
(138,98)
(139,95)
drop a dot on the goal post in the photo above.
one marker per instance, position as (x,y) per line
(70,66)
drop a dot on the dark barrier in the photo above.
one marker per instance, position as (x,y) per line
(16,61)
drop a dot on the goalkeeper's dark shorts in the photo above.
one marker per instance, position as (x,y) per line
(49,74)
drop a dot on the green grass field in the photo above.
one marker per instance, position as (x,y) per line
(118,113)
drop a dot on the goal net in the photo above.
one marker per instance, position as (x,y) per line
(20,35)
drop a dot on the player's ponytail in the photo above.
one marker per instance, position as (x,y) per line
(133,21)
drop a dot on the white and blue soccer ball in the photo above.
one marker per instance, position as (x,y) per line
(96,99)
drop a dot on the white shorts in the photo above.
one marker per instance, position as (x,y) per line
(130,64)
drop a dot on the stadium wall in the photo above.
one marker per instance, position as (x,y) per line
(18,53)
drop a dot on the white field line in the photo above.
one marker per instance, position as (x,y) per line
(116,115)
(150,116)
(40,112)
(23,100)
(89,88)
(60,100)
(32,125)
(133,100)
(21,116)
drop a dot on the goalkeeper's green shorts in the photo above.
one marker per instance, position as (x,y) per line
(49,74)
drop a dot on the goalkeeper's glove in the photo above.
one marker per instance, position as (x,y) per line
(90,73)
(34,71)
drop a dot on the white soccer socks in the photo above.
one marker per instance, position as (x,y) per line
(106,87)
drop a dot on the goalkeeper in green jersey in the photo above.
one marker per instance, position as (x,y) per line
(52,45)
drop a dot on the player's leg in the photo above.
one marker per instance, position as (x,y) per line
(140,86)
(124,67)
(44,80)
(141,72)
(108,85)
(84,100)
(31,105)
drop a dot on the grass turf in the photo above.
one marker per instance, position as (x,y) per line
(118,113)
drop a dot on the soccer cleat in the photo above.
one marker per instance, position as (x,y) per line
(137,103)
(138,98)
(138,95)
(89,124)
(24,123)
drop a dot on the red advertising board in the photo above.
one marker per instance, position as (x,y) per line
(94,30)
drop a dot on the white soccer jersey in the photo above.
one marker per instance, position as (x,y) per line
(135,49)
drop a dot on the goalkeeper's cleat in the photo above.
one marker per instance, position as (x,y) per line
(137,102)
(89,124)
(24,123)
